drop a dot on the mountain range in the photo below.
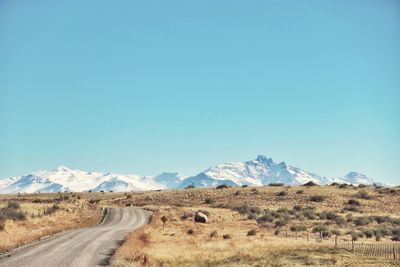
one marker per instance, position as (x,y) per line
(258,172)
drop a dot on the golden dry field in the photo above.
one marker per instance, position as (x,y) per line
(249,226)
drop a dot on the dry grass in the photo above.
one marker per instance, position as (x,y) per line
(69,215)
(382,202)
(152,246)
(206,245)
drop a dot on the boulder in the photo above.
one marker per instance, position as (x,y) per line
(200,217)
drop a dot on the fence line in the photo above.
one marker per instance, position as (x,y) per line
(370,249)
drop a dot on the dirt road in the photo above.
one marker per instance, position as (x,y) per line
(83,247)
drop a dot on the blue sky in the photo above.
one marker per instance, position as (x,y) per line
(150,86)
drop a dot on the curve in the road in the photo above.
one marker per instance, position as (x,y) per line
(84,247)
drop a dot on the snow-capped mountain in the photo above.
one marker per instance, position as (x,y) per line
(260,171)
(65,179)
(356,178)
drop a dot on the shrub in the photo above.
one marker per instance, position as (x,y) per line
(362,186)
(382,219)
(320,228)
(12,214)
(237,193)
(355,235)
(254,191)
(51,210)
(363,195)
(13,205)
(190,232)
(276,184)
(226,236)
(336,232)
(328,215)
(282,194)
(245,185)
(353,202)
(186,215)
(282,222)
(343,185)
(265,218)
(340,220)
(368,233)
(252,232)
(243,209)
(297,207)
(214,234)
(334,184)
(298,228)
(361,221)
(190,186)
(255,210)
(317,198)
(300,192)
(352,208)
(209,200)
(251,216)
(309,213)
(310,183)
(221,186)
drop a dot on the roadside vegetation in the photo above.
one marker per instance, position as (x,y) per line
(268,225)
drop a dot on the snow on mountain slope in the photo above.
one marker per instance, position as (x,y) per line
(65,179)
(356,178)
(7,181)
(169,179)
(260,171)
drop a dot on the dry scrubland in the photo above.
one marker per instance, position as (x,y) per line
(246,227)
(26,218)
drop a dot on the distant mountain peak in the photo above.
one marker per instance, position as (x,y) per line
(260,171)
(62,169)
(262,158)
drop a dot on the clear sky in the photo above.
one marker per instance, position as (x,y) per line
(149,86)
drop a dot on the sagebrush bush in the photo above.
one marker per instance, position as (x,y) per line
(226,236)
(221,186)
(298,228)
(353,202)
(317,198)
(13,205)
(275,184)
(214,233)
(208,200)
(51,210)
(252,232)
(310,183)
(361,221)
(282,194)
(363,195)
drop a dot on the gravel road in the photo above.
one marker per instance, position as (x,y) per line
(83,247)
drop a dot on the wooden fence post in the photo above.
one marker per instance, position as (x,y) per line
(394,253)
(352,246)
(335,241)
